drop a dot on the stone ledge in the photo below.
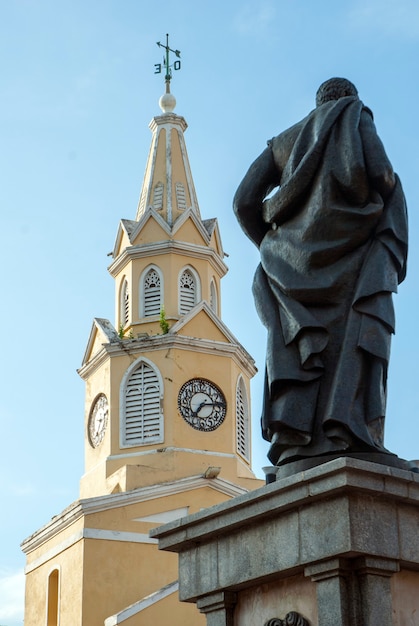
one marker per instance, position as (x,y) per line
(340,476)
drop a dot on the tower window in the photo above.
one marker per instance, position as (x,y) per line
(188,291)
(213,298)
(142,415)
(124,304)
(242,419)
(151,292)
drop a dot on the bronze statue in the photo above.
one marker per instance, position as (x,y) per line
(333,247)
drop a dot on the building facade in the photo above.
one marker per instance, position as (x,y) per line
(167,412)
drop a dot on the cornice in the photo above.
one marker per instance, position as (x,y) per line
(230,348)
(144,453)
(95,362)
(87,506)
(168,119)
(106,330)
(183,342)
(168,247)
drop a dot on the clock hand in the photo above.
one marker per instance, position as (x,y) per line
(195,413)
(201,406)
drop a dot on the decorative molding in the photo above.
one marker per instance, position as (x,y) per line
(53,552)
(143,345)
(168,119)
(168,247)
(226,455)
(97,504)
(117,535)
(106,329)
(291,619)
(95,362)
(88,533)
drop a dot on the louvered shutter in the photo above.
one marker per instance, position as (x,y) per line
(152,290)
(242,420)
(125,304)
(143,418)
(187,292)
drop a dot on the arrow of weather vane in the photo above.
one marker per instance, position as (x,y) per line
(166,62)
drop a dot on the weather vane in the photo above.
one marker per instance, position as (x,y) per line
(166,63)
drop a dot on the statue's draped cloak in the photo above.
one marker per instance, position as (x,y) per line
(334,254)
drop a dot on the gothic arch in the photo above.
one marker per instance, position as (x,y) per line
(141,406)
(151,291)
(124,303)
(189,286)
(214,297)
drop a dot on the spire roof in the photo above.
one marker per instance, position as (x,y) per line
(168,185)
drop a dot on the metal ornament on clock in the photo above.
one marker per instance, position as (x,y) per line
(202,404)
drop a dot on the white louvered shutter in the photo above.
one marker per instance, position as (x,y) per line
(242,420)
(143,418)
(125,304)
(187,292)
(152,290)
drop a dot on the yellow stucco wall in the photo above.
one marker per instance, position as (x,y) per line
(100,577)
(69,563)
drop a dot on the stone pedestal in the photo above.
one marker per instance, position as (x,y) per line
(336,545)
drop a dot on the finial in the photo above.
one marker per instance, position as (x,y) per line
(167,102)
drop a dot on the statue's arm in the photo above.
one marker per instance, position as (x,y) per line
(260,179)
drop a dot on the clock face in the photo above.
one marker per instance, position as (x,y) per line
(202,404)
(98,420)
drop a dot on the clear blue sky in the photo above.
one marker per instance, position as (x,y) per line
(77,92)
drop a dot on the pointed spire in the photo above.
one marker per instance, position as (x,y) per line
(168,187)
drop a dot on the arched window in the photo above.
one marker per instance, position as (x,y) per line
(188,290)
(142,421)
(52,598)
(213,298)
(242,419)
(124,304)
(150,293)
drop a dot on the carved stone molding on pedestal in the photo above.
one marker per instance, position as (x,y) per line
(219,608)
(354,591)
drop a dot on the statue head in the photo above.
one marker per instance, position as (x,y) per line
(333,89)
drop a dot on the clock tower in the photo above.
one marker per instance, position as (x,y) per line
(167,411)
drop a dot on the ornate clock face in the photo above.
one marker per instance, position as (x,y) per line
(202,404)
(98,420)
